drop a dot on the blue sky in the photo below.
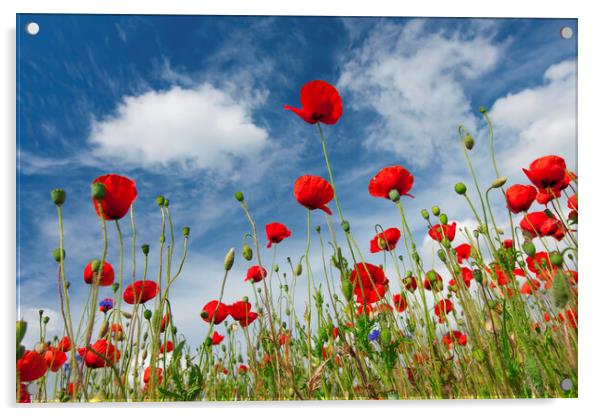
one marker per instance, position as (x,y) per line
(191,107)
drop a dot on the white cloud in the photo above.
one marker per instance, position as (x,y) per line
(412,78)
(198,128)
(541,120)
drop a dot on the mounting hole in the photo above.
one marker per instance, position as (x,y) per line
(566,32)
(32,28)
(566,384)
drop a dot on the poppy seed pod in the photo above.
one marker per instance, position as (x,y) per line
(529,248)
(468,142)
(57,254)
(425,214)
(239,196)
(436,211)
(556,259)
(58,196)
(229,259)
(186,231)
(247,252)
(499,182)
(394,195)
(148,315)
(160,200)
(460,188)
(98,191)
(145,249)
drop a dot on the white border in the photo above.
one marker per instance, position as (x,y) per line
(589,32)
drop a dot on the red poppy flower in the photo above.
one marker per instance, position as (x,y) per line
(22,394)
(238,310)
(508,243)
(369,282)
(215,311)
(282,339)
(546,172)
(248,319)
(116,329)
(442,308)
(314,192)
(31,366)
(276,232)
(400,302)
(216,338)
(544,196)
(164,322)
(335,332)
(147,375)
(166,347)
(107,277)
(520,197)
(119,196)
(55,358)
(390,178)
(441,231)
(387,240)
(108,351)
(410,283)
(572,276)
(64,344)
(528,287)
(242,369)
(571,314)
(320,102)
(466,277)
(433,280)
(463,252)
(572,203)
(452,337)
(256,274)
(141,291)
(539,224)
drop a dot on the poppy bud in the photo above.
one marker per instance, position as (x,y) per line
(443,219)
(166,202)
(186,231)
(298,269)
(68,284)
(57,254)
(441,254)
(436,211)
(40,348)
(229,259)
(446,243)
(394,195)
(115,287)
(239,196)
(247,252)
(41,312)
(468,141)
(95,265)
(556,259)
(460,188)
(345,226)
(318,229)
(21,330)
(285,287)
(529,248)
(98,191)
(482,110)
(287,312)
(245,299)
(499,182)
(144,355)
(204,315)
(46,319)
(425,214)
(347,289)
(477,275)
(148,314)
(58,197)
(145,249)
(258,290)
(127,315)
(160,200)
(104,329)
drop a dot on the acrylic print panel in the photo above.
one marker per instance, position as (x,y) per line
(295,208)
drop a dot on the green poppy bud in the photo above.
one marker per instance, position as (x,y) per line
(21,330)
(499,182)
(441,254)
(477,275)
(285,287)
(160,200)
(239,196)
(204,315)
(529,248)
(436,211)
(443,219)
(425,214)
(247,252)
(460,188)
(98,191)
(347,289)
(482,110)
(298,269)
(556,259)
(166,203)
(318,229)
(394,195)
(446,243)
(46,319)
(229,259)
(95,265)
(115,287)
(57,254)
(345,226)
(148,314)
(276,268)
(186,231)
(145,249)
(385,336)
(58,196)
(468,142)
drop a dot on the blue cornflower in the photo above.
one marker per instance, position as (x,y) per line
(106,304)
(373,336)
